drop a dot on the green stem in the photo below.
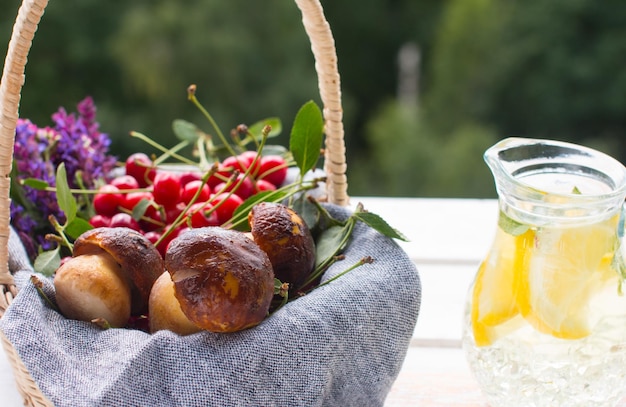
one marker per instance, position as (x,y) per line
(83,191)
(60,229)
(328,261)
(253,137)
(202,149)
(364,260)
(192,97)
(173,153)
(95,191)
(327,216)
(279,194)
(167,151)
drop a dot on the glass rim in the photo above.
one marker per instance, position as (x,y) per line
(504,159)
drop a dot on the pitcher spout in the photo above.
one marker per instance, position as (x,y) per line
(539,180)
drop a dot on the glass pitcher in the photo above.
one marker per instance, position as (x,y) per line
(545,318)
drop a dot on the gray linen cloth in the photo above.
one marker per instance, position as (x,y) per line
(341,345)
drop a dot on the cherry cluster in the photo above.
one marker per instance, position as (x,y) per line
(172,201)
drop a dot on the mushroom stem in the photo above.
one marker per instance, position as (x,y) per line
(92,287)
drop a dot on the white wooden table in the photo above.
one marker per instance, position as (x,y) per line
(448,237)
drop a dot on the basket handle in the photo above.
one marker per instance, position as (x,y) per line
(29,15)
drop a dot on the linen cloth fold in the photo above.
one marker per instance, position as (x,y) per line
(341,345)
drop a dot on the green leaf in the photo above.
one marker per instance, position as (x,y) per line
(330,242)
(275,149)
(77,227)
(307,211)
(65,199)
(36,184)
(379,224)
(306,138)
(18,196)
(511,226)
(274,122)
(186,131)
(576,191)
(140,208)
(277,285)
(48,262)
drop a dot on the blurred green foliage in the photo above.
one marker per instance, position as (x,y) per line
(489,69)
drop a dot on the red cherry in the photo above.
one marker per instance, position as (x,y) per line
(244,190)
(217,178)
(162,246)
(200,217)
(190,190)
(124,220)
(166,189)
(152,236)
(107,200)
(263,185)
(98,221)
(273,168)
(246,159)
(229,164)
(125,182)
(151,219)
(172,213)
(186,177)
(226,209)
(131,199)
(140,167)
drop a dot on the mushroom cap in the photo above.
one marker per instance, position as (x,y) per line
(164,309)
(286,239)
(93,286)
(136,255)
(222,279)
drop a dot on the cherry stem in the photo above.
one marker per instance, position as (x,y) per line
(364,260)
(191,95)
(60,229)
(167,152)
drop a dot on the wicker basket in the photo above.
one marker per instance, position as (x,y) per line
(30,13)
(323,48)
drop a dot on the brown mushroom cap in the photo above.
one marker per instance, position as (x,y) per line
(136,255)
(224,282)
(286,239)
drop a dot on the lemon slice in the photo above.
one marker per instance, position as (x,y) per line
(497,285)
(566,268)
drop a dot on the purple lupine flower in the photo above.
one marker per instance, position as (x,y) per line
(74,140)
(81,145)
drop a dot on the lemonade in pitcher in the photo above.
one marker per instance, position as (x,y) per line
(545,321)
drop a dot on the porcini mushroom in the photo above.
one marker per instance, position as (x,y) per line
(223,281)
(109,276)
(286,239)
(91,287)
